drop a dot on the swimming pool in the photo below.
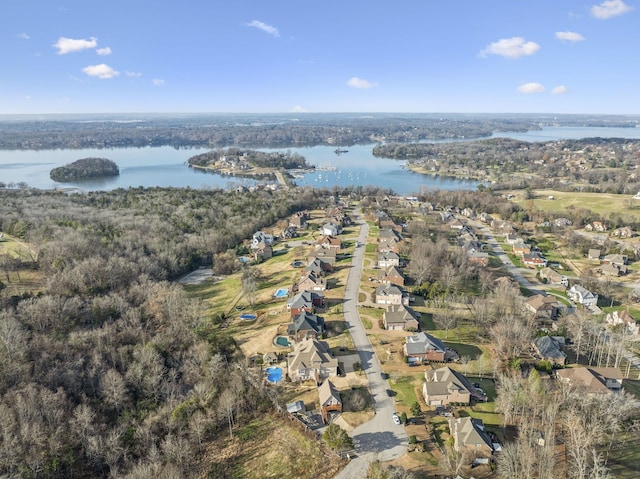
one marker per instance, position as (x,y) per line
(281,293)
(248,316)
(283,341)
(274,374)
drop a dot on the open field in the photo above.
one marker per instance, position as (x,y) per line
(604,204)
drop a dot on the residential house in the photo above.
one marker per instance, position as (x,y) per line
(305,325)
(548,349)
(329,242)
(456,224)
(521,248)
(478,257)
(553,277)
(583,296)
(299,219)
(328,255)
(391,275)
(318,266)
(399,317)
(628,323)
(468,212)
(612,269)
(311,359)
(388,259)
(386,245)
(331,229)
(424,347)
(445,386)
(562,222)
(591,380)
(310,282)
(593,254)
(308,301)
(511,238)
(289,232)
(543,306)
(534,259)
(261,237)
(624,232)
(485,217)
(617,259)
(598,226)
(262,251)
(391,294)
(330,400)
(389,234)
(469,435)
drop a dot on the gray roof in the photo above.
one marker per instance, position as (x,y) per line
(548,348)
(328,391)
(303,299)
(422,342)
(305,321)
(445,380)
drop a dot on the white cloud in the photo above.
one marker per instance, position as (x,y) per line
(298,109)
(101,71)
(133,74)
(560,90)
(271,30)
(104,51)
(513,47)
(361,83)
(528,88)
(68,45)
(158,82)
(569,36)
(610,8)
(24,36)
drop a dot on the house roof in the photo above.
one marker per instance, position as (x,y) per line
(468,431)
(399,313)
(303,299)
(296,406)
(423,342)
(328,392)
(593,380)
(387,255)
(444,381)
(312,354)
(548,348)
(305,321)
(540,302)
(388,290)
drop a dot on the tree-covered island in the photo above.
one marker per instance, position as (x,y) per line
(238,162)
(84,169)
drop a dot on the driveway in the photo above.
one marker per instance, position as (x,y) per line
(379,438)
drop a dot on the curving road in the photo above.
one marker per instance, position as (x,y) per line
(379,438)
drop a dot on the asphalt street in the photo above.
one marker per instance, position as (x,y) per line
(379,438)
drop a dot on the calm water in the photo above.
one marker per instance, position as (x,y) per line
(165,166)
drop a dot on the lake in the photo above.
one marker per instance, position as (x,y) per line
(165,166)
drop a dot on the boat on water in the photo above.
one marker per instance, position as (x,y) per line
(338,151)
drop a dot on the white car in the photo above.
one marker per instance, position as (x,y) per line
(396,419)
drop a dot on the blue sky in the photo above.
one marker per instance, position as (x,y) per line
(469,56)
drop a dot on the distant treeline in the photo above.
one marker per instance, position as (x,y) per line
(261,131)
(84,169)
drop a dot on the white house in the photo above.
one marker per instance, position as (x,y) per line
(582,296)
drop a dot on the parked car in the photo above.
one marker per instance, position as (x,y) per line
(396,419)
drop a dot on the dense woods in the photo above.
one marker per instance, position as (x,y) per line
(85,168)
(109,369)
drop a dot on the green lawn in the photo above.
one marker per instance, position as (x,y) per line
(404,387)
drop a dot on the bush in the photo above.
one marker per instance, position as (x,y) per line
(413,440)
(403,418)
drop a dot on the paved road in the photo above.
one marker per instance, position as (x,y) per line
(511,268)
(379,438)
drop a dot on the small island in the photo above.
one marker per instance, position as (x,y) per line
(250,163)
(86,168)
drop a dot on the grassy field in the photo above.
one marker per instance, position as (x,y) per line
(604,204)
